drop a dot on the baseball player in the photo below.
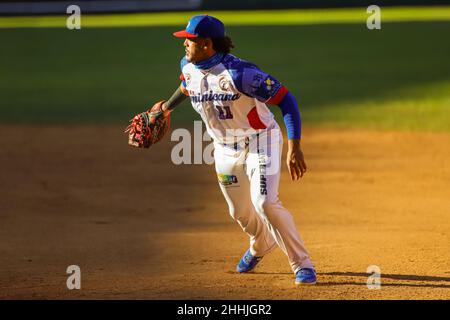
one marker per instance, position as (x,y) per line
(232,97)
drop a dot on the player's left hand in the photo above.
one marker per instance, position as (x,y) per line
(295,160)
(147,128)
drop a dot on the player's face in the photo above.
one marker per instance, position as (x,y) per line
(196,49)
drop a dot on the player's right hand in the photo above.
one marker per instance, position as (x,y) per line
(295,160)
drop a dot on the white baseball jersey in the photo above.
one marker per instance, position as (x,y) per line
(231,97)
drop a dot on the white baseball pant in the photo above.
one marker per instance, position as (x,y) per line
(249,175)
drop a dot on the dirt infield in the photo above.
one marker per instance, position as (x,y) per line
(141,227)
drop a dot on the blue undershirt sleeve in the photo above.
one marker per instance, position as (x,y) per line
(291,116)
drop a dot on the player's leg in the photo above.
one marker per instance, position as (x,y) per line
(235,187)
(264,167)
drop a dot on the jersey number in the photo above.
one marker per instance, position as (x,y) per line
(224,112)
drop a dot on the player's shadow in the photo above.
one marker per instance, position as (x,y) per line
(402,277)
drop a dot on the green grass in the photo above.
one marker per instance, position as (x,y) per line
(239,18)
(342,74)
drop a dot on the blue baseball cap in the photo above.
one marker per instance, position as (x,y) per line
(202,26)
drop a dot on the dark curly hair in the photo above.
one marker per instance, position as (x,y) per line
(224,44)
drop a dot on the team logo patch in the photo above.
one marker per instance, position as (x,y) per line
(226,179)
(269,84)
(224,83)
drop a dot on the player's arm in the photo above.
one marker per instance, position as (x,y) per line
(147,128)
(177,97)
(262,86)
(291,116)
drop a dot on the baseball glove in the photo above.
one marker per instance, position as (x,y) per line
(147,128)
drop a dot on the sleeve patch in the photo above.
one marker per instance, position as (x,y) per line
(250,80)
(259,85)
